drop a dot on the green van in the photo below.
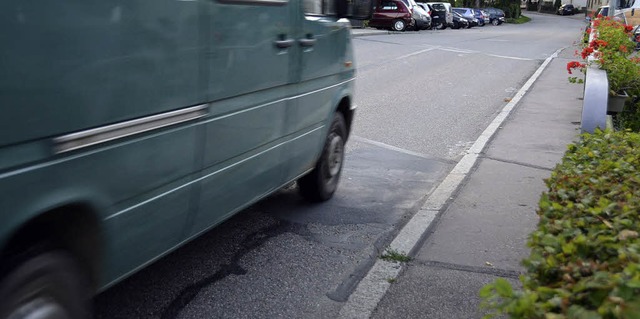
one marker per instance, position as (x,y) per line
(130,127)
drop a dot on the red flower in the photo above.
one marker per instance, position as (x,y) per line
(596,44)
(574,65)
(628,28)
(623,48)
(586,52)
(588,31)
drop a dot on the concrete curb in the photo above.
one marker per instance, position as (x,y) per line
(374,285)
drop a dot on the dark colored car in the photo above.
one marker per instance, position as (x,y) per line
(496,16)
(567,9)
(459,22)
(391,14)
(467,14)
(481,16)
(438,15)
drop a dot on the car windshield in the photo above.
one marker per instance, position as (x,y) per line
(438,6)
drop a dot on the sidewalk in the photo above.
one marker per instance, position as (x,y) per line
(482,233)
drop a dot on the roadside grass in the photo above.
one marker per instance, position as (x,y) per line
(394,256)
(522,19)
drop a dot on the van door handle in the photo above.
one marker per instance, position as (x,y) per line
(307,42)
(283,44)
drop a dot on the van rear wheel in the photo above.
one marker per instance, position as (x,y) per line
(320,184)
(49,285)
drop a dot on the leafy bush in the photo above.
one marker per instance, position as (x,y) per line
(520,20)
(585,253)
(629,118)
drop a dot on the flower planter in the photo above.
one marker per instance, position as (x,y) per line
(615,103)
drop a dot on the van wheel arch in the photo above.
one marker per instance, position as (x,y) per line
(47,285)
(73,228)
(321,183)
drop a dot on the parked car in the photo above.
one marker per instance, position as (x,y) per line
(438,15)
(496,16)
(427,10)
(446,6)
(392,14)
(420,16)
(459,22)
(567,9)
(482,17)
(467,14)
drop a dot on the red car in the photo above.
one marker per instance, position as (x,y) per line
(391,14)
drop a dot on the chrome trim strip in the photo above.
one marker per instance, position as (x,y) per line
(280,100)
(112,132)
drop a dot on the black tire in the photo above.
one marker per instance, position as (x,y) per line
(320,184)
(399,25)
(443,26)
(495,22)
(49,285)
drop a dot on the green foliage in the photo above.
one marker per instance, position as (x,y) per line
(585,252)
(520,20)
(629,119)
(557,4)
(394,256)
(575,79)
(614,53)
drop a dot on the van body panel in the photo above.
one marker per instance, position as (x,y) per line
(326,69)
(114,61)
(264,80)
(135,180)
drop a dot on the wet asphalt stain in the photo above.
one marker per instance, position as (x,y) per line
(251,242)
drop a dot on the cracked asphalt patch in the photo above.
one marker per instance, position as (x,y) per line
(284,257)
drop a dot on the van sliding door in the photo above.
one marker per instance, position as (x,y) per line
(247,55)
(324,72)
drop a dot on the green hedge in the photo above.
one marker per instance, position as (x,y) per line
(585,253)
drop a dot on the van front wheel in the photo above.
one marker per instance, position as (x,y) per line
(48,285)
(320,184)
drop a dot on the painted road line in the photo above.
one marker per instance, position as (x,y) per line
(374,285)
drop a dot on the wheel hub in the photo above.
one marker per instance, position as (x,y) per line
(336,150)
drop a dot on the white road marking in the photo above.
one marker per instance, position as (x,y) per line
(390,147)
(414,53)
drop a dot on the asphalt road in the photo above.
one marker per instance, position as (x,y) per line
(423,98)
